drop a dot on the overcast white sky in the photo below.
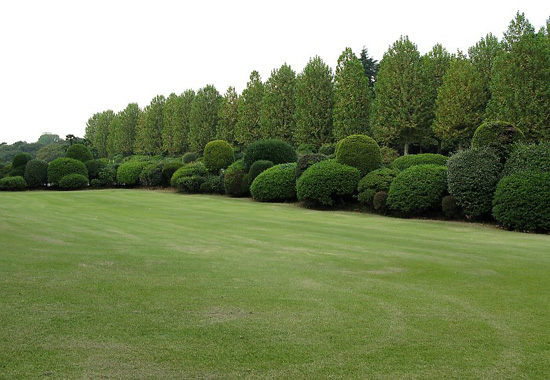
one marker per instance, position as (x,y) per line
(62,61)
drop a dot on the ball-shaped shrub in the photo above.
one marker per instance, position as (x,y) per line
(359,151)
(189,157)
(128,173)
(107,176)
(375,181)
(79,152)
(36,173)
(189,178)
(63,166)
(497,135)
(151,175)
(380,201)
(274,150)
(307,160)
(522,202)
(168,171)
(275,184)
(13,183)
(528,157)
(405,162)
(20,160)
(94,167)
(418,189)
(73,182)
(327,181)
(450,208)
(218,154)
(235,180)
(257,167)
(473,176)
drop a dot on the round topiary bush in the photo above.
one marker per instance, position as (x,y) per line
(522,202)
(359,151)
(20,160)
(79,152)
(36,173)
(327,181)
(189,157)
(257,167)
(450,208)
(168,171)
(217,155)
(17,183)
(375,181)
(235,180)
(63,166)
(405,162)
(497,135)
(94,167)
(472,178)
(275,184)
(379,201)
(151,175)
(418,189)
(189,178)
(73,182)
(128,173)
(528,157)
(306,161)
(274,150)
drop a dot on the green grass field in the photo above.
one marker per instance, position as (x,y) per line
(134,284)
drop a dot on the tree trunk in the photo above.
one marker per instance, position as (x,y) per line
(406,149)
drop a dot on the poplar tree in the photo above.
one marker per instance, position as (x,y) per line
(170,122)
(250,106)
(181,133)
(204,117)
(126,140)
(101,134)
(228,116)
(483,55)
(115,133)
(152,129)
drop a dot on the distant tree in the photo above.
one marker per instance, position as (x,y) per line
(97,131)
(125,139)
(352,97)
(139,146)
(370,66)
(228,116)
(70,138)
(181,133)
(51,151)
(115,133)
(152,129)
(483,55)
(277,118)
(91,127)
(314,103)
(49,138)
(250,106)
(170,123)
(204,117)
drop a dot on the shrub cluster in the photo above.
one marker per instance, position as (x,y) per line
(36,173)
(189,157)
(306,149)
(63,166)
(79,152)
(275,184)
(168,171)
(16,183)
(107,176)
(151,175)
(235,179)
(327,149)
(405,162)
(218,155)
(528,157)
(307,160)
(257,167)
(128,172)
(359,151)
(274,150)
(94,167)
(375,181)
(498,135)
(189,178)
(20,160)
(73,182)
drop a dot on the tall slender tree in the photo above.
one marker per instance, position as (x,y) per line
(180,143)
(204,117)
(170,123)
(228,116)
(126,140)
(483,55)
(370,66)
(152,133)
(101,134)
(250,106)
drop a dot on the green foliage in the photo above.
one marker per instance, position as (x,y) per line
(228,115)
(94,167)
(189,157)
(306,149)
(184,104)
(522,201)
(63,166)
(497,135)
(405,162)
(218,154)
(213,184)
(36,173)
(418,189)
(483,55)
(359,151)
(352,97)
(149,133)
(151,175)
(275,184)
(472,177)
(16,183)
(370,66)
(168,171)
(277,151)
(97,131)
(49,138)
(235,179)
(450,208)
(247,128)
(258,167)
(314,103)
(107,176)
(170,122)
(79,152)
(20,160)
(203,118)
(373,182)
(327,149)
(128,173)
(327,181)
(51,152)
(17,172)
(123,131)
(528,157)
(388,154)
(306,161)
(380,201)
(189,178)
(73,182)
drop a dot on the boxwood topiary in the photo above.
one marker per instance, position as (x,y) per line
(528,157)
(275,184)
(497,135)
(189,178)
(405,162)
(473,176)
(274,150)
(306,161)
(257,167)
(63,166)
(94,167)
(36,173)
(73,182)
(235,180)
(217,155)
(189,157)
(13,183)
(359,151)
(418,189)
(522,201)
(128,173)
(20,160)
(327,181)
(79,152)
(375,181)
(168,171)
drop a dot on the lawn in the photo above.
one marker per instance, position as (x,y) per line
(135,284)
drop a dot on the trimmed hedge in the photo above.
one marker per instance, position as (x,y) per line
(36,173)
(17,183)
(189,178)
(275,184)
(522,202)
(79,152)
(473,176)
(497,135)
(73,182)
(235,180)
(327,181)
(107,176)
(528,157)
(217,155)
(168,171)
(274,150)
(20,160)
(128,173)
(258,167)
(418,189)
(405,162)
(375,181)
(361,152)
(306,161)
(63,166)
(151,175)
(94,167)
